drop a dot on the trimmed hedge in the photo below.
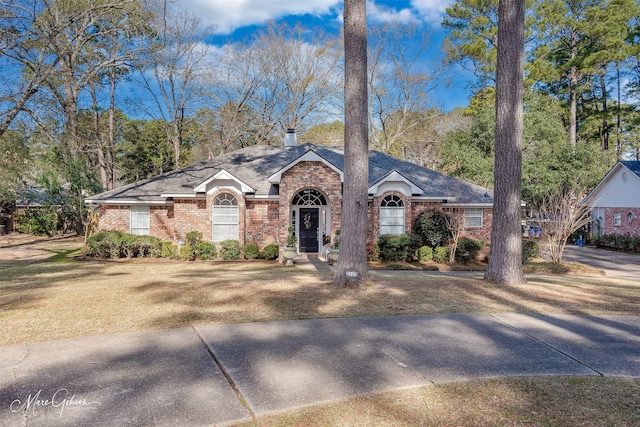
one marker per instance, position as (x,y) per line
(441,254)
(394,247)
(425,253)
(617,242)
(206,250)
(271,252)
(115,244)
(251,251)
(229,249)
(467,250)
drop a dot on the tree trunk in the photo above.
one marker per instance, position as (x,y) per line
(573,108)
(352,270)
(605,112)
(111,152)
(505,261)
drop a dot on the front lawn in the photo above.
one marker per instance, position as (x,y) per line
(55,296)
(46,294)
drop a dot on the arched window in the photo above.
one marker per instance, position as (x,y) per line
(225,218)
(392,215)
(309,197)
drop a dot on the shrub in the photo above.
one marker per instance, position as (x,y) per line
(113,244)
(425,253)
(394,247)
(271,252)
(96,245)
(251,251)
(128,245)
(38,221)
(441,253)
(617,242)
(467,250)
(230,249)
(415,243)
(431,226)
(291,237)
(148,246)
(187,253)
(530,249)
(206,250)
(193,238)
(373,251)
(169,250)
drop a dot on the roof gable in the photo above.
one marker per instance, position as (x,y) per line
(395,177)
(309,156)
(224,177)
(618,188)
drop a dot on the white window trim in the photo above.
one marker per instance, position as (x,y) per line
(394,209)
(617,219)
(235,224)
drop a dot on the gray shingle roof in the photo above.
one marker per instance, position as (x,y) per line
(633,166)
(254,165)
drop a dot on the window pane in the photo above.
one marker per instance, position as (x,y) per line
(139,222)
(473,217)
(225,218)
(391,220)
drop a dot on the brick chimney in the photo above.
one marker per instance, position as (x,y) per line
(290,139)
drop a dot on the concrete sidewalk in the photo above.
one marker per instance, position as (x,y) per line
(224,374)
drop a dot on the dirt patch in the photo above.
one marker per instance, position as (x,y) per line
(25,247)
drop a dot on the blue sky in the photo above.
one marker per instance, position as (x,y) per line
(232,19)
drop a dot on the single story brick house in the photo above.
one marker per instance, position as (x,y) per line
(254,194)
(615,201)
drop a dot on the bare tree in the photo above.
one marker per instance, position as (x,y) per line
(281,78)
(172,72)
(505,259)
(74,33)
(454,221)
(559,214)
(352,269)
(399,86)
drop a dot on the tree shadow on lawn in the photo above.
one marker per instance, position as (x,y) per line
(282,294)
(24,282)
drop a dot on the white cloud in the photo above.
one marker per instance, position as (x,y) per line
(381,13)
(228,15)
(431,11)
(225,16)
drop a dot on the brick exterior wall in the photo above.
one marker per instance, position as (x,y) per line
(265,221)
(114,218)
(262,222)
(314,175)
(161,222)
(626,227)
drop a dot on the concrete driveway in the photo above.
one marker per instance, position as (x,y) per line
(614,264)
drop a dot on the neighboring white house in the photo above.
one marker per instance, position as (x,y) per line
(615,202)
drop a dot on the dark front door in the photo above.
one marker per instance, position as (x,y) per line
(309,229)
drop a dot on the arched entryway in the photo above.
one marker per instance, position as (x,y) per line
(310,218)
